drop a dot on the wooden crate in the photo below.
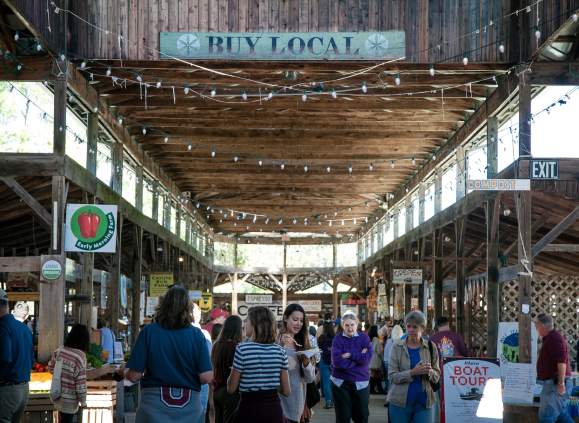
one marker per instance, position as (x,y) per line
(101,401)
(39,409)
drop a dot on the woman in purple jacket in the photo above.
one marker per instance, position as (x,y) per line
(351,354)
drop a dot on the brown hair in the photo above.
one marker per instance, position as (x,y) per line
(264,325)
(302,338)
(223,349)
(174,310)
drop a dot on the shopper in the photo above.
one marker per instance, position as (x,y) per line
(553,372)
(395,334)
(413,367)
(72,359)
(172,359)
(376,374)
(325,345)
(21,311)
(217,316)
(294,338)
(16,359)
(224,403)
(260,369)
(449,343)
(351,355)
(107,340)
(204,393)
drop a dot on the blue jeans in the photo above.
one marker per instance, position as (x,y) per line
(553,406)
(204,397)
(325,379)
(410,414)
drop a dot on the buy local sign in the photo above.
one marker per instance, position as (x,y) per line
(91,228)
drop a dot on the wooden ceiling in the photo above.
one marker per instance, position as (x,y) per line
(365,131)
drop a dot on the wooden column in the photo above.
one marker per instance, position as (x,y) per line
(523,201)
(156,210)
(492,209)
(51,310)
(284,278)
(438,192)
(86,285)
(421,191)
(492,147)
(136,288)
(335,301)
(460,233)
(92,142)
(139,189)
(117,179)
(437,272)
(460,173)
(113,303)
(234,281)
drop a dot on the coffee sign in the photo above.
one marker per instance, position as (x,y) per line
(91,228)
(284,46)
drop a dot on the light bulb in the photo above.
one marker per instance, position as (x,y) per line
(83,64)
(166,140)
(282,166)
(334,94)
(431,71)
(254,219)
(305,168)
(213,92)
(328,169)
(397,79)
(260,162)
(38,47)
(267,220)
(270,96)
(304,97)
(108,72)
(538,34)
(120,120)
(235,159)
(501,48)
(330,223)
(186,90)
(158,84)
(350,169)
(244,96)
(465,60)
(189,147)
(212,153)
(16,36)
(413,161)
(364,88)
(370,167)
(392,164)
(144,131)
(574,17)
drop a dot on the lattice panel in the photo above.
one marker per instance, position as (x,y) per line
(557,295)
(476,291)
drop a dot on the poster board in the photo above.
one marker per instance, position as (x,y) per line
(407,276)
(152,303)
(508,344)
(519,383)
(472,390)
(159,283)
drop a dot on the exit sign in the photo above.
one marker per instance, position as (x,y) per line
(544,169)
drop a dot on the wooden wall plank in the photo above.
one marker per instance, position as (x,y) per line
(194,15)
(324,15)
(334,22)
(342,15)
(352,18)
(243,14)
(313,15)
(223,16)
(263,6)
(131,48)
(253,15)
(363,15)
(273,23)
(233,8)
(294,16)
(213,15)
(182,19)
(142,30)
(203,15)
(284,15)
(304,15)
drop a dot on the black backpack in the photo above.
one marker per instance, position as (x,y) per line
(435,385)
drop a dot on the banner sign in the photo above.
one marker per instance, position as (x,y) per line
(407,276)
(544,169)
(498,184)
(258,298)
(275,307)
(206,302)
(310,306)
(284,45)
(465,388)
(91,228)
(508,344)
(159,283)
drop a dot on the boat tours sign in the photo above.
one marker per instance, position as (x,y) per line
(468,390)
(407,276)
(284,46)
(91,228)
(498,185)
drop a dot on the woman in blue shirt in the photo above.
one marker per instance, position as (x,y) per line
(171,360)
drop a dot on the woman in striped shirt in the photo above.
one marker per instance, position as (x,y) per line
(73,376)
(259,370)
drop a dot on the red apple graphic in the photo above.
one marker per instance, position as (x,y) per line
(85,224)
(95,221)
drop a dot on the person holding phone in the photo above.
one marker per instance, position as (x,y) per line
(412,368)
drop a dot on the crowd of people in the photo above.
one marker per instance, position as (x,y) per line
(261,370)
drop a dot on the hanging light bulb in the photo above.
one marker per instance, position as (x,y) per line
(304,97)
(392,164)
(270,96)
(158,84)
(254,218)
(120,120)
(266,220)
(306,168)
(280,221)
(282,166)
(413,161)
(139,78)
(144,131)
(370,167)
(186,90)
(83,64)
(350,169)
(537,34)
(295,221)
(431,71)
(166,140)
(189,147)
(434,157)
(397,79)
(355,221)
(212,153)
(244,96)
(260,162)
(329,222)
(364,87)
(16,36)
(213,92)
(574,17)
(38,47)
(334,94)
(328,169)
(501,48)
(236,159)
(107,73)
(335,213)
(465,60)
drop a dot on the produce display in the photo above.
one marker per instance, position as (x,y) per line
(94,357)
(40,382)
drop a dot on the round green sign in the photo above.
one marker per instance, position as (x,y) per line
(51,270)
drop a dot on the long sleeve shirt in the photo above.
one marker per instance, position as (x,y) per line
(354,368)
(73,378)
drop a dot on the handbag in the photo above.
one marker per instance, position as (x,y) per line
(434,385)
(55,385)
(312,394)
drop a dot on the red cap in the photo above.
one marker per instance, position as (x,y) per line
(218,312)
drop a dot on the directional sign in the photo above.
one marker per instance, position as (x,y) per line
(499,184)
(544,169)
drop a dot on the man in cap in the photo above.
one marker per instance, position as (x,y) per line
(16,359)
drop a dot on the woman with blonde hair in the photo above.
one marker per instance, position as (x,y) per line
(351,355)
(413,367)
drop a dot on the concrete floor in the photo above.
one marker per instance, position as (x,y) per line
(378,414)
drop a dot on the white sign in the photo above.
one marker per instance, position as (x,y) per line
(499,184)
(519,383)
(152,303)
(51,270)
(544,169)
(508,344)
(258,298)
(407,276)
(311,306)
(123,289)
(275,307)
(465,382)
(91,228)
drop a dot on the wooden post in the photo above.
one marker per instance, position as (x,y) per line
(335,302)
(59,143)
(139,189)
(523,201)
(136,288)
(86,289)
(92,142)
(113,303)
(51,312)
(117,179)
(460,173)
(156,210)
(438,192)
(421,191)
(284,278)
(234,281)
(460,234)
(493,287)
(437,272)
(492,147)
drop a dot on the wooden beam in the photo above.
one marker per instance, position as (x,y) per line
(460,235)
(437,272)
(35,206)
(561,248)
(20,264)
(492,269)
(37,164)
(555,73)
(113,302)
(554,233)
(136,281)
